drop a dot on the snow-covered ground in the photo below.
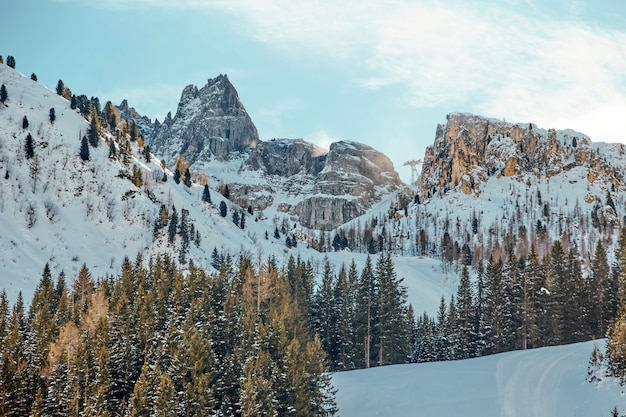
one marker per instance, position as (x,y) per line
(546,382)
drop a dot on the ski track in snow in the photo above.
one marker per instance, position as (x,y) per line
(528,385)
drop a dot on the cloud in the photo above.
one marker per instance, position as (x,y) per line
(525,60)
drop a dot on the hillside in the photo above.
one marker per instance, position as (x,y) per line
(90,212)
(546,382)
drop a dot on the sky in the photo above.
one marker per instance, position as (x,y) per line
(380,72)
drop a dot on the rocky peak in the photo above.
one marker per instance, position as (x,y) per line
(469,149)
(210,122)
(146,128)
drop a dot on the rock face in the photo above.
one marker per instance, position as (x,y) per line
(354,177)
(210,122)
(320,189)
(146,128)
(468,149)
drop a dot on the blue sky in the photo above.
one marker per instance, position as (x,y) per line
(381,72)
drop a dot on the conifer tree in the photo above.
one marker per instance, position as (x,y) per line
(94,128)
(173,226)
(206,194)
(11,61)
(323,311)
(84,149)
(24,122)
(3,93)
(464,305)
(60,87)
(29,146)
(52,115)
(223,209)
(365,313)
(33,77)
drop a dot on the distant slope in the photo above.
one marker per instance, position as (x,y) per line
(546,382)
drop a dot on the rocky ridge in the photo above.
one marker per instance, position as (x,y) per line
(210,122)
(318,188)
(468,149)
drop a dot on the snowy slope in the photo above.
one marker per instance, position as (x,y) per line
(86,213)
(546,382)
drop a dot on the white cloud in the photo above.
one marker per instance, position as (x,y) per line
(508,59)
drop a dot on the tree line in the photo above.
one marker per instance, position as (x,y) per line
(524,303)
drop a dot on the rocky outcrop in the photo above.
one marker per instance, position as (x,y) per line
(210,122)
(144,124)
(468,149)
(354,177)
(320,189)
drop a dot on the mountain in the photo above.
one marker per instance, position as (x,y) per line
(57,209)
(209,122)
(469,149)
(320,189)
(488,192)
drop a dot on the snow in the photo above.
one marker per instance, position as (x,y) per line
(546,382)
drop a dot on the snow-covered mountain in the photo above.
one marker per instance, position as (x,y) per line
(56,208)
(485,186)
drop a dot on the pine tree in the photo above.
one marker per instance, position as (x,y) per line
(206,194)
(600,274)
(94,128)
(84,149)
(33,77)
(3,93)
(52,115)
(173,226)
(365,312)
(464,327)
(187,178)
(223,209)
(24,122)
(29,146)
(323,312)
(11,61)
(60,87)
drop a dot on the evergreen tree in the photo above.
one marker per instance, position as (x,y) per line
(11,61)
(223,209)
(173,226)
(3,93)
(242,220)
(393,332)
(464,327)
(600,274)
(206,194)
(365,312)
(94,128)
(236,217)
(84,149)
(187,178)
(60,87)
(24,122)
(33,77)
(177,176)
(29,146)
(323,312)
(52,115)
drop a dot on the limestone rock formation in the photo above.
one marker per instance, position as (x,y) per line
(468,149)
(319,189)
(210,122)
